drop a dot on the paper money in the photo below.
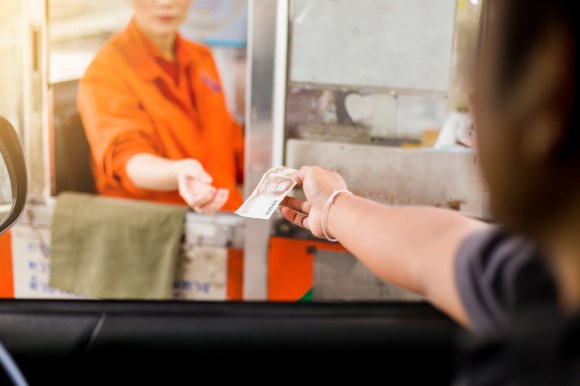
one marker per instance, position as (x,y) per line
(275,184)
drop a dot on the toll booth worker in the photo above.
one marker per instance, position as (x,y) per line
(516,285)
(155,115)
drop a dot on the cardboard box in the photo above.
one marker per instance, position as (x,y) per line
(31,264)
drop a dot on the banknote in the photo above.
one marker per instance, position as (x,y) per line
(275,184)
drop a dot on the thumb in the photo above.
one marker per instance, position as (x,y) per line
(300,175)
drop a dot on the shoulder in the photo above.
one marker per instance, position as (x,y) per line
(105,58)
(116,50)
(498,272)
(494,245)
(108,65)
(493,249)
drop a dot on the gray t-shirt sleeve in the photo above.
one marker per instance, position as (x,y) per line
(496,274)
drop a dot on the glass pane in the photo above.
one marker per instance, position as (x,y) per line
(209,260)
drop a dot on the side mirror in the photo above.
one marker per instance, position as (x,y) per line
(13,155)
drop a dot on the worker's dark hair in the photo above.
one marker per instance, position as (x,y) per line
(523,23)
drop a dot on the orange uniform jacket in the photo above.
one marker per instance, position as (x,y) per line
(130,104)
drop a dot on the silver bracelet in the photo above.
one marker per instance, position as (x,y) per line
(329,202)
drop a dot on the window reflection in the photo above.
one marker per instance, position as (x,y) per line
(11,63)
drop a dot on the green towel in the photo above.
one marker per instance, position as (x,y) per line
(112,248)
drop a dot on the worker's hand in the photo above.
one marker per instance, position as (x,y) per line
(201,197)
(318,184)
(194,185)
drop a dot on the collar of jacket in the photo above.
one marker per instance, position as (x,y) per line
(141,53)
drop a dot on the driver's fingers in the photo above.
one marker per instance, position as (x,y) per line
(300,175)
(296,218)
(296,205)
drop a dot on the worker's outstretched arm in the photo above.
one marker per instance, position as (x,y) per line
(187,176)
(411,247)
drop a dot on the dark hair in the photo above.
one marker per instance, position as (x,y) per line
(523,23)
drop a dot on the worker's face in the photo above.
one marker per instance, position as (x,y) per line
(160,17)
(518,129)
